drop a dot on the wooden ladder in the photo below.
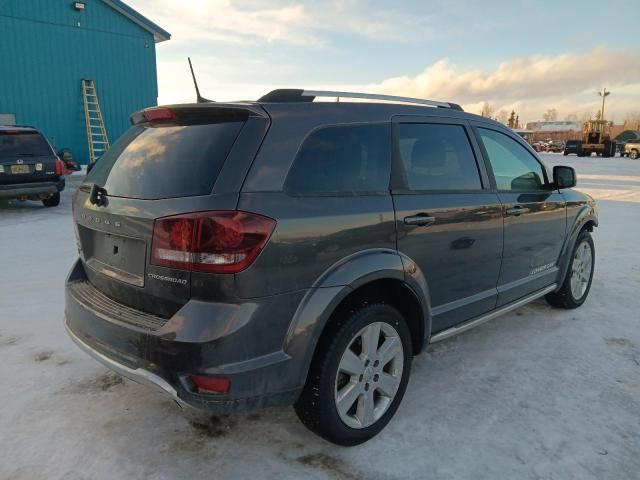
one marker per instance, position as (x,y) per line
(96,133)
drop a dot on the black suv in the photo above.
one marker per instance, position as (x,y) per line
(573,146)
(284,251)
(29,168)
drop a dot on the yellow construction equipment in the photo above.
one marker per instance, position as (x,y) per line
(596,138)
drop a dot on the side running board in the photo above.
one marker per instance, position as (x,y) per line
(474,322)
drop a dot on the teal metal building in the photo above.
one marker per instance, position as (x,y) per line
(48,46)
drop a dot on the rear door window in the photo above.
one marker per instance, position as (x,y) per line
(150,162)
(437,157)
(23,143)
(343,159)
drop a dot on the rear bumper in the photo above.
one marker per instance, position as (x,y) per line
(32,189)
(136,374)
(241,342)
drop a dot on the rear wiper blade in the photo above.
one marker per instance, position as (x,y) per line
(28,154)
(97,194)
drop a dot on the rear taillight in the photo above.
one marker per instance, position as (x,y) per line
(213,242)
(59,167)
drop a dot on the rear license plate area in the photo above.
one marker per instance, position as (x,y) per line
(115,256)
(19,169)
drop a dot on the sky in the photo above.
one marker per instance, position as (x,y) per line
(530,56)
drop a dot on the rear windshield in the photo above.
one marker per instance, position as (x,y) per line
(24,144)
(163,162)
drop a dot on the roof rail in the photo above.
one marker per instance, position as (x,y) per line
(298,95)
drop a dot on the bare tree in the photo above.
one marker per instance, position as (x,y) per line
(550,115)
(632,121)
(503,117)
(572,117)
(586,116)
(487,110)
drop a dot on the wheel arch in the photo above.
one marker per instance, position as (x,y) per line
(586,219)
(376,274)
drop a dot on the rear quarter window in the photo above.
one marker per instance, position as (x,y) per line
(343,159)
(150,162)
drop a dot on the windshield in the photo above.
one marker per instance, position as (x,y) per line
(163,162)
(21,143)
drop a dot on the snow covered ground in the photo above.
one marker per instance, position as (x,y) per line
(537,394)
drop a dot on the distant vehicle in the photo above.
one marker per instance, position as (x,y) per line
(596,139)
(572,146)
(631,149)
(29,168)
(555,146)
(539,146)
(69,163)
(250,254)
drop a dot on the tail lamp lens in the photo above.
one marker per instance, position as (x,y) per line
(59,167)
(212,242)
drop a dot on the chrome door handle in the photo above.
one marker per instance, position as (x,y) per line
(421,219)
(517,210)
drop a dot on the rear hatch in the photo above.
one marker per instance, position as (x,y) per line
(173,160)
(25,157)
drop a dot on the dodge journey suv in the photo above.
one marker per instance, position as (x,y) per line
(285,251)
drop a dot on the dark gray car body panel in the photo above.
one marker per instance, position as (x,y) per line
(260,327)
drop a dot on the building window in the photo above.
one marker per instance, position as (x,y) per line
(7,118)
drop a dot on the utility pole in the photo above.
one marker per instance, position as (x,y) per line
(604,94)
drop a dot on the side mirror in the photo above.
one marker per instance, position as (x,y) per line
(564,177)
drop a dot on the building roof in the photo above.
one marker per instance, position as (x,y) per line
(159,34)
(554,126)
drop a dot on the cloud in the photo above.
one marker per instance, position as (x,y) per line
(540,76)
(243,23)
(568,82)
(222,21)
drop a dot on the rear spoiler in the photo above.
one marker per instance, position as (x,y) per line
(197,113)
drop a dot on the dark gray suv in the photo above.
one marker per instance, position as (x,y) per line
(285,251)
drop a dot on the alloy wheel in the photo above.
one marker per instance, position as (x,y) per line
(369,374)
(581,270)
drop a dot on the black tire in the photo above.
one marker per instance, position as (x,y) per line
(633,154)
(52,201)
(316,406)
(606,151)
(565,298)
